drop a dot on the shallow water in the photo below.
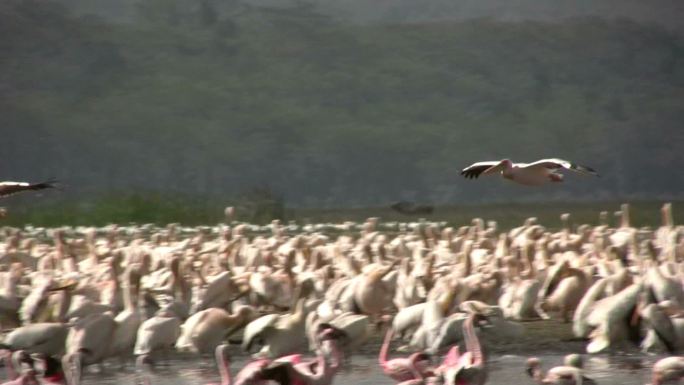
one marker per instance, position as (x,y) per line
(363,370)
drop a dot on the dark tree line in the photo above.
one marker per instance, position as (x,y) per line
(215,99)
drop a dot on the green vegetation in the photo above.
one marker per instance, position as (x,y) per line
(642,213)
(206,101)
(151,208)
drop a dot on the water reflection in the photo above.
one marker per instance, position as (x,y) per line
(363,370)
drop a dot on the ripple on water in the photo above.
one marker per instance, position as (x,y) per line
(363,370)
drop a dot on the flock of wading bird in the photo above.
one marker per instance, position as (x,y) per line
(76,296)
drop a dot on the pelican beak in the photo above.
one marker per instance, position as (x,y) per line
(66,285)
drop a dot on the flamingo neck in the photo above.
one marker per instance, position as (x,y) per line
(471,341)
(417,374)
(323,369)
(223,367)
(337,357)
(382,358)
(9,366)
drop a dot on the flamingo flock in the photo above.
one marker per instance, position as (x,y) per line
(302,300)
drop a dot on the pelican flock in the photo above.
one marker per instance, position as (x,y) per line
(301,301)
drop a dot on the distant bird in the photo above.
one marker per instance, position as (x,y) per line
(410,208)
(10,188)
(529,174)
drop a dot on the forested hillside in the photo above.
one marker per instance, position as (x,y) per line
(668,13)
(208,100)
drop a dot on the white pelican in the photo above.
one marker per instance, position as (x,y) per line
(529,174)
(46,338)
(158,333)
(668,369)
(10,188)
(87,343)
(207,329)
(569,373)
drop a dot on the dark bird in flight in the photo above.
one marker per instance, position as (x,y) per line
(410,208)
(529,174)
(10,188)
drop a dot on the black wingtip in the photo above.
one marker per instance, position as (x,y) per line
(51,183)
(587,169)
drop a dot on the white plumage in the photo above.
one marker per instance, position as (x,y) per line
(529,174)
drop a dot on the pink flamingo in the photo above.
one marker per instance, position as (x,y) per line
(296,371)
(400,369)
(311,372)
(468,368)
(27,376)
(9,366)
(420,378)
(252,373)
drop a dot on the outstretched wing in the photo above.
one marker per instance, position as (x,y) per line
(476,169)
(10,188)
(555,163)
(255,328)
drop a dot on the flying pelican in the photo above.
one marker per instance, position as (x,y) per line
(529,174)
(8,188)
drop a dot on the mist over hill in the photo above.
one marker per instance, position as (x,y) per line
(668,13)
(216,99)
